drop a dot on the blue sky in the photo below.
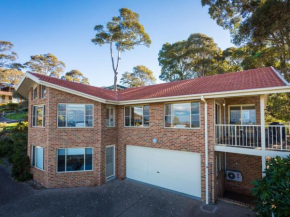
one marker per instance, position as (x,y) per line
(65,29)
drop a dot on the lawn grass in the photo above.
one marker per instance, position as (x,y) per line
(10,126)
(16,116)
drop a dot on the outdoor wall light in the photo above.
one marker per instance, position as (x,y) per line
(155,141)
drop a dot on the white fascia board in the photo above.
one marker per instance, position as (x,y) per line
(250,151)
(76,92)
(248,92)
(27,75)
(280,76)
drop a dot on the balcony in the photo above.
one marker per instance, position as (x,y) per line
(267,137)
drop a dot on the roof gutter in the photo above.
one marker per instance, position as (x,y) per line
(206,148)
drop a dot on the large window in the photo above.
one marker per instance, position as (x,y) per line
(38,115)
(182,115)
(74,159)
(37,158)
(243,114)
(75,115)
(110,116)
(137,116)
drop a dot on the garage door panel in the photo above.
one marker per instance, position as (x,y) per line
(175,170)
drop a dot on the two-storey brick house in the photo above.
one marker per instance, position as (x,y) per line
(199,137)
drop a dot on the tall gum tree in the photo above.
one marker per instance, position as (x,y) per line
(141,76)
(46,64)
(124,32)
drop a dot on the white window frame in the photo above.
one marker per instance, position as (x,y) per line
(79,171)
(141,126)
(66,127)
(241,107)
(34,95)
(34,115)
(42,95)
(114,157)
(188,128)
(34,157)
(114,116)
(218,162)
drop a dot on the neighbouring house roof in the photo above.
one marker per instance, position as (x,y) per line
(229,83)
(119,87)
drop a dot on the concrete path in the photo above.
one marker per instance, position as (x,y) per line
(116,198)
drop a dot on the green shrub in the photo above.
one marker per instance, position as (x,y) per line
(273,190)
(12,106)
(13,145)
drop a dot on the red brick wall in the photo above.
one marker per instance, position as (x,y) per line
(250,168)
(52,138)
(100,136)
(254,100)
(173,139)
(37,136)
(109,137)
(220,178)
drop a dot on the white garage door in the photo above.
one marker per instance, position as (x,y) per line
(175,170)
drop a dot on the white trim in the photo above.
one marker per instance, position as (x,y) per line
(262,117)
(250,151)
(247,92)
(280,76)
(114,159)
(263,165)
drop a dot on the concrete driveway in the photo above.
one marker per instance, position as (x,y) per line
(116,198)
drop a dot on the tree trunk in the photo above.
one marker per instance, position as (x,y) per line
(113,65)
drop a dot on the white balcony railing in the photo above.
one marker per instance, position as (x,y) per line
(277,137)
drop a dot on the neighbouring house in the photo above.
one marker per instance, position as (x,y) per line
(119,87)
(199,137)
(6,95)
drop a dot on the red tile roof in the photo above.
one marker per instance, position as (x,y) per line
(248,79)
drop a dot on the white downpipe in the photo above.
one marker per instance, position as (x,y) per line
(206,149)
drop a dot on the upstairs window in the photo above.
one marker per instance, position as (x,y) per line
(34,93)
(110,117)
(75,115)
(43,91)
(38,116)
(243,114)
(37,158)
(137,116)
(182,115)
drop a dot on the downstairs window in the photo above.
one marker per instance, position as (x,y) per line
(74,159)
(37,159)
